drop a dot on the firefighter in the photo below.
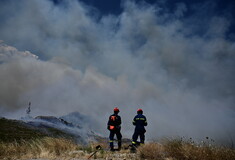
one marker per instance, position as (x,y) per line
(139,122)
(114,126)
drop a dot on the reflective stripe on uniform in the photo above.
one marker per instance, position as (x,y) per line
(133,142)
(142,119)
(110,141)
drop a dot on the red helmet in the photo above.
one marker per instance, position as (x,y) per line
(139,111)
(116,109)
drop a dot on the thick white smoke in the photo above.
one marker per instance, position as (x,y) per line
(143,58)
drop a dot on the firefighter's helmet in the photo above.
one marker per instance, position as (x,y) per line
(116,109)
(140,111)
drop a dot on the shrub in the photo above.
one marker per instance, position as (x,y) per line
(177,149)
(151,151)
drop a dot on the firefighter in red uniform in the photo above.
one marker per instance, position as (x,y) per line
(139,122)
(114,126)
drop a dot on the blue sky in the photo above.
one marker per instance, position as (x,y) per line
(115,6)
(224,8)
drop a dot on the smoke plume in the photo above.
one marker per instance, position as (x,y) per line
(179,70)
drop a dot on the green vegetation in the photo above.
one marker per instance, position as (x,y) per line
(13,130)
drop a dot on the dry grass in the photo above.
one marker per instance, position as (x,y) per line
(184,150)
(39,148)
(54,148)
(151,151)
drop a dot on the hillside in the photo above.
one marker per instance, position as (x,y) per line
(43,126)
(50,137)
(11,130)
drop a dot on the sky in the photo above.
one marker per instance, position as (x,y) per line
(174,59)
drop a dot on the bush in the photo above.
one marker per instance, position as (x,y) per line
(178,149)
(151,151)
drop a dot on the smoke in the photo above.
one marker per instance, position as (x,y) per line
(180,73)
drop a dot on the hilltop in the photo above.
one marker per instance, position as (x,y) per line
(44,126)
